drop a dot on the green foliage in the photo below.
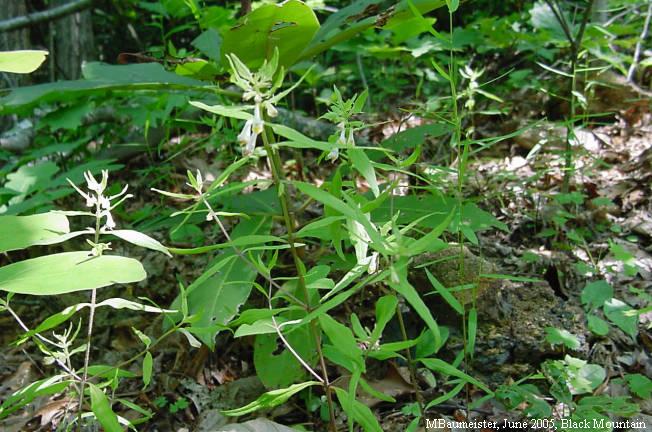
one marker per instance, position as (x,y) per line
(21,61)
(301,233)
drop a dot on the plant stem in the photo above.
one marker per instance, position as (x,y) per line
(91,317)
(413,374)
(277,174)
(575,44)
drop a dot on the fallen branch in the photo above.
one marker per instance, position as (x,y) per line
(46,15)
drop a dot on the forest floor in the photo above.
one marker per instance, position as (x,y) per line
(552,249)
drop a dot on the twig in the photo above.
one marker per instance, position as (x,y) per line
(639,44)
(47,15)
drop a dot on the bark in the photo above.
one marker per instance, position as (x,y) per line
(23,20)
(12,40)
(73,42)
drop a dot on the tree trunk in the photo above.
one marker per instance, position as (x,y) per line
(73,43)
(12,40)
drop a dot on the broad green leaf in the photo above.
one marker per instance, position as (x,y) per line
(618,313)
(103,411)
(271,399)
(67,272)
(140,239)
(595,293)
(209,43)
(148,363)
(435,209)
(288,26)
(21,61)
(101,78)
(262,326)
(19,232)
(556,336)
(269,361)
(363,165)
(448,369)
(216,295)
(359,16)
(597,325)
(640,385)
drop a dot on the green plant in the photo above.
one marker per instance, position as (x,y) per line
(67,272)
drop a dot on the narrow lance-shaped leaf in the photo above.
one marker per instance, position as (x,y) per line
(103,411)
(271,399)
(140,239)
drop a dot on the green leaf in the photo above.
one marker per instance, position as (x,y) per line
(21,61)
(140,239)
(225,285)
(67,272)
(100,78)
(19,232)
(271,399)
(595,293)
(445,293)
(434,210)
(359,16)
(148,363)
(363,165)
(473,330)
(448,369)
(262,326)
(640,385)
(359,412)
(618,313)
(403,287)
(336,204)
(209,43)
(226,111)
(556,336)
(385,310)
(269,361)
(103,411)
(597,325)
(20,398)
(342,340)
(288,26)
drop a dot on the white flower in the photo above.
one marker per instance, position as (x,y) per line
(250,145)
(258,123)
(341,141)
(333,154)
(271,109)
(110,223)
(350,141)
(245,134)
